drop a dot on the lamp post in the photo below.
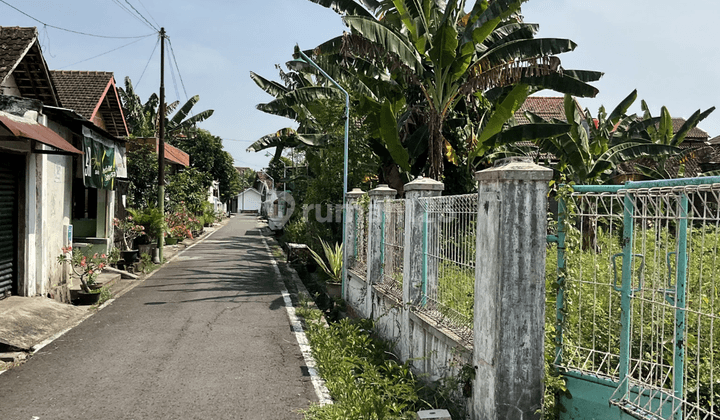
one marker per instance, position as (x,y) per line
(345,161)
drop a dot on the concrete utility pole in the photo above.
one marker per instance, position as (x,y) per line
(161,144)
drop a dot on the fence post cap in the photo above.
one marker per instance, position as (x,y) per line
(355,193)
(424,184)
(383,190)
(515,168)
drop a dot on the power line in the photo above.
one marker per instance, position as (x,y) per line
(148,12)
(172,52)
(148,63)
(122,6)
(141,15)
(70,30)
(106,52)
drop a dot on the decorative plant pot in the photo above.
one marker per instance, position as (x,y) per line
(85,298)
(334,290)
(129,256)
(96,286)
(171,240)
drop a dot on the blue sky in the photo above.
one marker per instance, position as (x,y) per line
(657,47)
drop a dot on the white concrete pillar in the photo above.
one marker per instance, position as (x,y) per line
(413,253)
(509,313)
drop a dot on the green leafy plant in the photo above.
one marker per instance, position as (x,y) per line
(127,229)
(151,219)
(334,256)
(86,267)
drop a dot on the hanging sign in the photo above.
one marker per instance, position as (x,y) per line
(99,168)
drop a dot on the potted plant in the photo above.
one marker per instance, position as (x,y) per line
(332,268)
(128,230)
(87,268)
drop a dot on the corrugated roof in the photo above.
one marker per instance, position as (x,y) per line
(28,129)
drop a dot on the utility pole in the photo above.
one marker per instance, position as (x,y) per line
(161,145)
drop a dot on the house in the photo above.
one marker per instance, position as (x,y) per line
(92,113)
(249,201)
(37,167)
(265,184)
(214,198)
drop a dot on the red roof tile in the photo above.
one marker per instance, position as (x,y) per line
(85,91)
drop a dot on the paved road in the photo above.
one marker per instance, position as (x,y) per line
(207,337)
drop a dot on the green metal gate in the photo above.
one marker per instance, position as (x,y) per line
(638,300)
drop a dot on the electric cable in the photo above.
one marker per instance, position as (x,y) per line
(70,30)
(172,52)
(106,52)
(122,6)
(141,15)
(148,63)
(148,12)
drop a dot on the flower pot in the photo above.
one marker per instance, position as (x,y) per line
(334,290)
(171,240)
(129,256)
(85,298)
(96,286)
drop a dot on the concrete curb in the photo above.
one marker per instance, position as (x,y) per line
(321,390)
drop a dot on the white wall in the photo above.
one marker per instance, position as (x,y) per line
(249,200)
(49,206)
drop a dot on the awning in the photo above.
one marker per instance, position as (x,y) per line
(34,131)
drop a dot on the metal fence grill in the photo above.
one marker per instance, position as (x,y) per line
(663,351)
(674,326)
(449,242)
(358,261)
(392,247)
(592,316)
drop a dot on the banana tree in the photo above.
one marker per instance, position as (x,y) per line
(450,56)
(586,153)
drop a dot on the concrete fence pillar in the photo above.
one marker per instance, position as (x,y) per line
(351,225)
(509,313)
(413,258)
(375,240)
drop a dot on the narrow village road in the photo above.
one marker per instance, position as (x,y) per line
(206,337)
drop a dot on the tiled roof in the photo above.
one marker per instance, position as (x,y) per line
(547,107)
(21,57)
(695,134)
(14,43)
(81,91)
(85,91)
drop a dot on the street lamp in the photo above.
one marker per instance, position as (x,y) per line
(345,161)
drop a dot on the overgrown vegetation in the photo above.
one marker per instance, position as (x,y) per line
(365,379)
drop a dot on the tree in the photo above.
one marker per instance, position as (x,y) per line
(207,155)
(442,57)
(143,121)
(588,153)
(143,176)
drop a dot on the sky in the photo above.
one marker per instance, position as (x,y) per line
(664,50)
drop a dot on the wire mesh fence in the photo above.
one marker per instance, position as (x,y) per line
(449,238)
(663,352)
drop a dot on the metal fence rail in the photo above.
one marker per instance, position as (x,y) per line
(449,241)
(639,296)
(392,234)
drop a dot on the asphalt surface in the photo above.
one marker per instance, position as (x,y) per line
(206,337)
